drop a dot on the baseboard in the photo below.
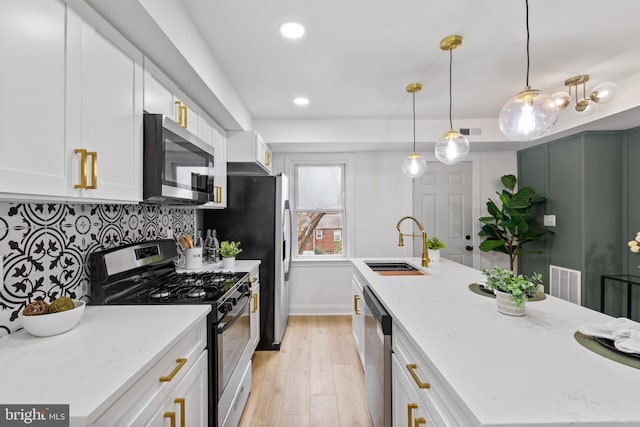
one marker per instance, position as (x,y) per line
(319,309)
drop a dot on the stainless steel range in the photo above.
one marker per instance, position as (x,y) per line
(144,273)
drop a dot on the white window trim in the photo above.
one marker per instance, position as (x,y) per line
(318,230)
(347,159)
(339,233)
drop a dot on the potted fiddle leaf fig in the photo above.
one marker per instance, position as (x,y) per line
(511,290)
(511,226)
(434,245)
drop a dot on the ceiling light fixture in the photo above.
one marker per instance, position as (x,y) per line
(452,147)
(292,30)
(530,114)
(585,106)
(414,165)
(301,101)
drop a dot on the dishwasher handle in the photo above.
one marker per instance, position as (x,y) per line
(373,307)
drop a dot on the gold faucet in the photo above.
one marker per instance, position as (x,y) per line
(425,256)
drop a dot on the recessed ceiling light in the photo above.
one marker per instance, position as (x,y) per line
(292,30)
(301,101)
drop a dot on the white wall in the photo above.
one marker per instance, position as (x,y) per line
(383,194)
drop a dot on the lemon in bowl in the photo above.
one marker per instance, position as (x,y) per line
(42,322)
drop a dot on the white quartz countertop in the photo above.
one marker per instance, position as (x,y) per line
(242,265)
(508,371)
(90,365)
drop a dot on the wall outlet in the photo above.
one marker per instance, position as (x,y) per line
(550,220)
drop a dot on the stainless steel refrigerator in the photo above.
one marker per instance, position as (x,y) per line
(259,216)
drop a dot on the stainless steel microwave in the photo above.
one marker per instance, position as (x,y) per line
(178,166)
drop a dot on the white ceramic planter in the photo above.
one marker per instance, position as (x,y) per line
(504,303)
(229,263)
(434,254)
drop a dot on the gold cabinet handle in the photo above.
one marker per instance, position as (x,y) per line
(179,105)
(356,298)
(267,156)
(94,170)
(220,194)
(179,364)
(255,303)
(180,401)
(412,370)
(410,408)
(172,418)
(184,108)
(83,168)
(253,279)
(217,194)
(420,421)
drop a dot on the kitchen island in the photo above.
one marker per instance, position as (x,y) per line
(107,368)
(490,369)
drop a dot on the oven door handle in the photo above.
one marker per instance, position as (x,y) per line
(224,326)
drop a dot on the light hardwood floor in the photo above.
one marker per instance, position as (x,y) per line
(314,380)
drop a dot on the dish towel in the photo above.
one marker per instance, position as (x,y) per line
(627,340)
(608,330)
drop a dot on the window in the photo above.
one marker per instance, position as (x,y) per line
(319,204)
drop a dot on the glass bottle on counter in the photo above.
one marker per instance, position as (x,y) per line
(208,246)
(199,243)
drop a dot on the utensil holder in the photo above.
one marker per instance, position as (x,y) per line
(193,258)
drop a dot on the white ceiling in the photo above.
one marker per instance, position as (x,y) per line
(358,55)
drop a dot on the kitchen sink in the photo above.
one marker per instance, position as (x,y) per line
(394,268)
(390,266)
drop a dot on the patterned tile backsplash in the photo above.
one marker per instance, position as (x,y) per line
(45,247)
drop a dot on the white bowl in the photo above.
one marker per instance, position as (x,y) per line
(45,325)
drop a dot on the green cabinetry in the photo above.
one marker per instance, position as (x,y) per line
(582,177)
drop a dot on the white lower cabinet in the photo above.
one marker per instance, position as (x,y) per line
(357,316)
(232,418)
(174,387)
(416,380)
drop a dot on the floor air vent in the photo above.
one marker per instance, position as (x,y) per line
(565,284)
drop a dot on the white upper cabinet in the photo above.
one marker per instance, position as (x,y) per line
(248,153)
(84,81)
(214,135)
(32,113)
(157,98)
(111,102)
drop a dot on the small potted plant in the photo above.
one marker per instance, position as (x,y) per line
(229,250)
(433,248)
(511,290)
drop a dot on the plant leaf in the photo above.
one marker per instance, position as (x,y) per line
(509,181)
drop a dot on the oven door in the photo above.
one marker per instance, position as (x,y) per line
(234,333)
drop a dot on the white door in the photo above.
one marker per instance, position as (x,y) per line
(111,111)
(32,111)
(442,204)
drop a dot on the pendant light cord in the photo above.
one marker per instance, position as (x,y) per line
(526,2)
(450,97)
(414,121)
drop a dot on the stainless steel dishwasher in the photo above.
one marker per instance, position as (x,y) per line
(377,359)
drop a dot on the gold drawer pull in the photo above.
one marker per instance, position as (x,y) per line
(410,408)
(172,418)
(255,303)
(179,104)
(253,279)
(412,370)
(83,168)
(420,421)
(184,108)
(356,298)
(180,364)
(180,401)
(94,170)
(267,158)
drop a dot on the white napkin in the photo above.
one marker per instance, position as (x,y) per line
(627,340)
(607,330)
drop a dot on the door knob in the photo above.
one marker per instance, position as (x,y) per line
(469,248)
(467,237)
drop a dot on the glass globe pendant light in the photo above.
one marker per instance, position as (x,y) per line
(453,147)
(414,165)
(530,114)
